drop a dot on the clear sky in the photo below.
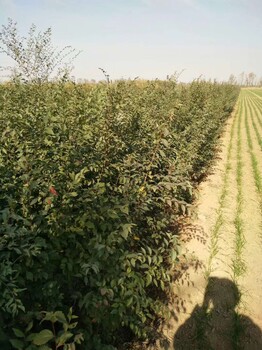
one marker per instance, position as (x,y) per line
(150,38)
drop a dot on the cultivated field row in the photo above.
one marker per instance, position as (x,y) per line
(223,307)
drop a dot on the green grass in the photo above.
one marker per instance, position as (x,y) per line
(255,165)
(238,264)
(257,92)
(256,110)
(216,231)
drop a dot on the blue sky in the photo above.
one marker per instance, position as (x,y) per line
(150,38)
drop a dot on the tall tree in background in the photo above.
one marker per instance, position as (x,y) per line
(35,57)
(250,79)
(241,78)
(232,79)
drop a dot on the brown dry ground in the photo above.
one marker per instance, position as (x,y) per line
(218,299)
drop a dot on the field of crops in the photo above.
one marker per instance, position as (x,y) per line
(94,180)
(222,307)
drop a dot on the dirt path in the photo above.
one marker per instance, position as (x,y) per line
(218,302)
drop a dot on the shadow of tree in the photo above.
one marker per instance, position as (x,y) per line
(216,324)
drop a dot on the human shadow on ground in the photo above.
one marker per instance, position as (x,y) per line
(215,325)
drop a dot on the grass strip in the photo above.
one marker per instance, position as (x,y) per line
(238,264)
(215,233)
(258,105)
(255,166)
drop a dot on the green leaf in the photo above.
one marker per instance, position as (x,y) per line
(165,143)
(129,301)
(173,255)
(63,338)
(78,338)
(162,285)
(133,262)
(149,259)
(34,201)
(17,344)
(50,316)
(72,325)
(31,336)
(162,153)
(49,131)
(126,229)
(60,317)
(124,209)
(18,333)
(43,337)
(148,279)
(48,142)
(73,194)
(29,327)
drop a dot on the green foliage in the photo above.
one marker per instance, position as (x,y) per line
(93,180)
(60,336)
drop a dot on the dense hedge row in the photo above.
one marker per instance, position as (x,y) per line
(93,179)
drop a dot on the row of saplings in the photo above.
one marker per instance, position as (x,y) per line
(93,181)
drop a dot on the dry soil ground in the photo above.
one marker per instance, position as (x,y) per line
(218,305)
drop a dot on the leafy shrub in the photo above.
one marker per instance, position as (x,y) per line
(93,180)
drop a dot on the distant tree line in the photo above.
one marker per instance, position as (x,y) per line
(245,79)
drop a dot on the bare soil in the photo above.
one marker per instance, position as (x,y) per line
(218,299)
